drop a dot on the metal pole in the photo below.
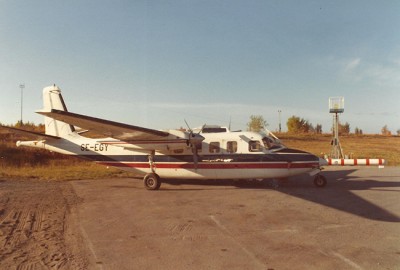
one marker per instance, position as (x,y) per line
(22,86)
(336,151)
(280,126)
(336,135)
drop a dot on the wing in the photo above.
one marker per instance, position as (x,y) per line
(32,134)
(106,127)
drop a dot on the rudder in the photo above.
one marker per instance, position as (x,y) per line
(52,99)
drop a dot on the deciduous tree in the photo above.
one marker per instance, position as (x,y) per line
(318,129)
(296,124)
(257,123)
(385,131)
(344,128)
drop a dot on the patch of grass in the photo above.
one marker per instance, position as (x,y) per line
(61,171)
(365,146)
(29,163)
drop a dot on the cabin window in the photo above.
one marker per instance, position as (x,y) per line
(214,147)
(231,147)
(199,148)
(254,146)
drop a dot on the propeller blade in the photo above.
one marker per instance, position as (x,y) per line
(190,130)
(202,127)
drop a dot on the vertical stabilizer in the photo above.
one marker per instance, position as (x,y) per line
(52,99)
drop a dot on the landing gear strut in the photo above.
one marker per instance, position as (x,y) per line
(319,181)
(152,181)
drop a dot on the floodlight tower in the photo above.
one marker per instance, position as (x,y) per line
(336,106)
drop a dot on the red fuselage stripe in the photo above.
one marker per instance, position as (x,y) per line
(143,142)
(214,165)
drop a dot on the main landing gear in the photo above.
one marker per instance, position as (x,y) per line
(319,181)
(152,181)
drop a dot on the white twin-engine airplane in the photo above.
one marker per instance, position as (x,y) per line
(209,153)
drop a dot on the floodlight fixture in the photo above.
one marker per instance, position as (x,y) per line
(336,104)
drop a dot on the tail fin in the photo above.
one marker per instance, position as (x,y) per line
(52,99)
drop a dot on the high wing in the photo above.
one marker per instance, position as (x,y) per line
(41,136)
(128,136)
(108,128)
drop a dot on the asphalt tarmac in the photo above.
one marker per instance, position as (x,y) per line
(352,223)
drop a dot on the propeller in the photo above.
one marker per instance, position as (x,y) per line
(194,141)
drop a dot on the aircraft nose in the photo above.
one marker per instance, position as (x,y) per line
(322,162)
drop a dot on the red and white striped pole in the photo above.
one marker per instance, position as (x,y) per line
(356,162)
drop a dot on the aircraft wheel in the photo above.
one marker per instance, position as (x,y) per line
(152,181)
(319,181)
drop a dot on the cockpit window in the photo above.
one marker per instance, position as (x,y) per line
(255,146)
(267,142)
(271,143)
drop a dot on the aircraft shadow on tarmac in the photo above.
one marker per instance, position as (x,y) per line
(338,194)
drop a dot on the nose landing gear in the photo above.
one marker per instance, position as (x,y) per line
(319,181)
(152,181)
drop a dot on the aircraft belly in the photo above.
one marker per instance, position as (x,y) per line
(222,173)
(183,167)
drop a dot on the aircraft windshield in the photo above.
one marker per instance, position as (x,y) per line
(272,143)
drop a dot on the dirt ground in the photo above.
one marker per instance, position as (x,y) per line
(38,228)
(353,223)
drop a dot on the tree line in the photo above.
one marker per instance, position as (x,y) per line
(257,123)
(296,125)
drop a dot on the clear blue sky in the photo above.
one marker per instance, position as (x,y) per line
(156,63)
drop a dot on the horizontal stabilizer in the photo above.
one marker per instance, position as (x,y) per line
(11,130)
(108,128)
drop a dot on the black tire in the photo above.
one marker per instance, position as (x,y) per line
(320,181)
(152,181)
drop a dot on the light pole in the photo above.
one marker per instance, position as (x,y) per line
(22,86)
(280,126)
